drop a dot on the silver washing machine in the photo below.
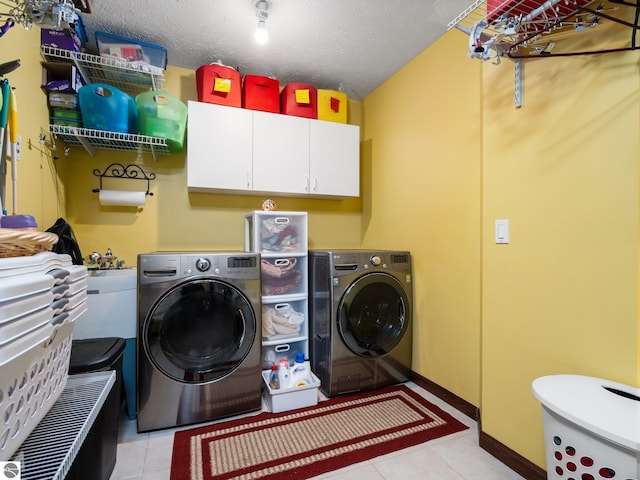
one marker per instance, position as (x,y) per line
(360,318)
(199,350)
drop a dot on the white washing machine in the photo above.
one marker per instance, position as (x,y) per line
(360,318)
(199,350)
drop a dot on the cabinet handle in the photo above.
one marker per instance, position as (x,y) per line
(306,184)
(248,179)
(315,184)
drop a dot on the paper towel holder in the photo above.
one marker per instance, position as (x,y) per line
(131,172)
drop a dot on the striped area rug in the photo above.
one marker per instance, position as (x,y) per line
(303,443)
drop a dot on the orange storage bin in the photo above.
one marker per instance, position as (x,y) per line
(299,100)
(332,106)
(217,83)
(261,93)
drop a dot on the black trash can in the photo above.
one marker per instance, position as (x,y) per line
(97,455)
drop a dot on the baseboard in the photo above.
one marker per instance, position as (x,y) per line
(452,399)
(511,459)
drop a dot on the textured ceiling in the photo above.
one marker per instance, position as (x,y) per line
(355,44)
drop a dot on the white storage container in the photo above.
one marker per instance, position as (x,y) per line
(284,275)
(276,232)
(36,323)
(281,239)
(272,352)
(591,427)
(283,399)
(284,318)
(31,384)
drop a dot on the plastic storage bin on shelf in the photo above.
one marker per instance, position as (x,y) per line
(276,232)
(591,427)
(162,115)
(284,276)
(261,93)
(131,50)
(105,107)
(332,106)
(220,84)
(284,399)
(272,352)
(299,100)
(283,318)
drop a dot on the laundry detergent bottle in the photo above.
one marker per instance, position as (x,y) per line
(274,380)
(300,372)
(284,376)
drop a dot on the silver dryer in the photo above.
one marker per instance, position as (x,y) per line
(360,318)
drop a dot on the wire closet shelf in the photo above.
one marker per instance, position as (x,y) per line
(535,29)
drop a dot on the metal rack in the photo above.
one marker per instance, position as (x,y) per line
(91,139)
(525,29)
(127,76)
(50,449)
(535,29)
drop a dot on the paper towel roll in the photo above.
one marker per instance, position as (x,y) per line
(122,198)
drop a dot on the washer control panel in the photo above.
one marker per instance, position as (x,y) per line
(161,266)
(203,264)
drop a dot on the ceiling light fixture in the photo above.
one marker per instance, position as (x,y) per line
(262,7)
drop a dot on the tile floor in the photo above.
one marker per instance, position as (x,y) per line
(147,456)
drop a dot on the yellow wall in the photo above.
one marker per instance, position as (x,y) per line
(562,297)
(422,148)
(37,177)
(449,155)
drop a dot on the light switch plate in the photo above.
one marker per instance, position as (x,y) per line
(502,231)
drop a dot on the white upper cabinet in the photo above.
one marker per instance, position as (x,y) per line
(219,155)
(334,159)
(234,150)
(280,153)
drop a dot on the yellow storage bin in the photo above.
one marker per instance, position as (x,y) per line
(332,106)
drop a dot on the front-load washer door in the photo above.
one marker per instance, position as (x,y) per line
(199,331)
(373,314)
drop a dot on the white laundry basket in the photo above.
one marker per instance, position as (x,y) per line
(591,428)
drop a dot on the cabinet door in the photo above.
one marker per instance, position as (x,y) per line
(219,155)
(334,159)
(280,153)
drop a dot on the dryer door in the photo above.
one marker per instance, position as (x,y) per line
(373,314)
(199,331)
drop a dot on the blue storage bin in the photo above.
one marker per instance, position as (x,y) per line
(105,107)
(132,50)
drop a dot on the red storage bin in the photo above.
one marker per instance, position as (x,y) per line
(495,8)
(299,100)
(217,83)
(261,93)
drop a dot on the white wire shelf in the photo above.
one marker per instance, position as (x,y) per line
(91,139)
(63,430)
(131,77)
(536,28)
